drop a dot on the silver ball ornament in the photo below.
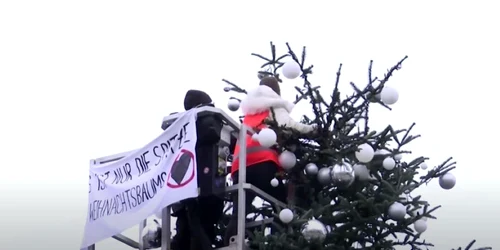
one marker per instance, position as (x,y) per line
(311,169)
(420,226)
(287,160)
(397,211)
(275,182)
(314,230)
(291,70)
(447,181)
(233,104)
(286,215)
(342,175)
(324,176)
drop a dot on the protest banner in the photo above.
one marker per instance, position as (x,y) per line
(125,192)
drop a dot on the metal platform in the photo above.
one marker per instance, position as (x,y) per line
(230,128)
(238,242)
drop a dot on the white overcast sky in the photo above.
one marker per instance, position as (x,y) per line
(85,79)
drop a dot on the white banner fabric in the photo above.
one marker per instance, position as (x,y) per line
(125,192)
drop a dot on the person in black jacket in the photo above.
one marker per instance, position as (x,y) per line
(197,217)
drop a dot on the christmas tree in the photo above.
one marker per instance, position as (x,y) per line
(349,187)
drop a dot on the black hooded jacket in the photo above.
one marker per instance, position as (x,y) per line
(208,128)
(198,216)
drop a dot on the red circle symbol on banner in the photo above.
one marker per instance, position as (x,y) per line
(183,166)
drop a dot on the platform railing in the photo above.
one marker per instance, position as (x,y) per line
(236,243)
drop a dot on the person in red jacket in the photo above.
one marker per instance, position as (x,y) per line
(262,163)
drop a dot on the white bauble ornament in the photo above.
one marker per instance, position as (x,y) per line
(267,137)
(364,153)
(398,157)
(287,160)
(233,104)
(314,230)
(423,166)
(255,137)
(342,175)
(420,226)
(324,177)
(397,211)
(286,215)
(447,181)
(291,70)
(389,163)
(389,95)
(275,182)
(311,169)
(361,172)
(382,152)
